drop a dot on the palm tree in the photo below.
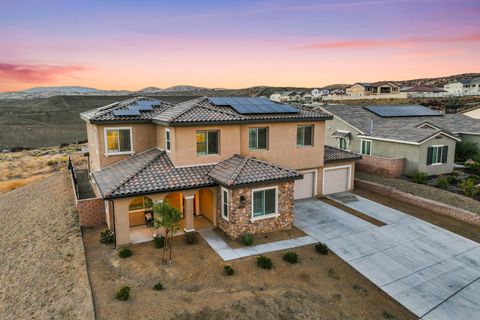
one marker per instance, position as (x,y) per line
(168,217)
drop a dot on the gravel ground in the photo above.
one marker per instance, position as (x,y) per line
(42,261)
(424,191)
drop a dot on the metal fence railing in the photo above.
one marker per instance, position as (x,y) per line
(73,174)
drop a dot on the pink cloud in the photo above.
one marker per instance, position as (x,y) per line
(36,73)
(398,43)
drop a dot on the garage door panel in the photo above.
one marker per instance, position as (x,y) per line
(304,188)
(336,180)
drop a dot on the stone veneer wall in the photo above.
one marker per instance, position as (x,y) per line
(384,167)
(239,221)
(428,204)
(91,212)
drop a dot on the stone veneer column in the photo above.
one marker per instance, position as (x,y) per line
(188,211)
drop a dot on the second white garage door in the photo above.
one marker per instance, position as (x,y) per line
(305,188)
(336,180)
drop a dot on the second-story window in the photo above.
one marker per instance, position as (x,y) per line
(304,136)
(207,142)
(168,140)
(118,140)
(257,138)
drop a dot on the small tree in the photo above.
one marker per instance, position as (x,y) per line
(168,217)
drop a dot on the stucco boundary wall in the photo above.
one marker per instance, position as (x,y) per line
(428,204)
(380,166)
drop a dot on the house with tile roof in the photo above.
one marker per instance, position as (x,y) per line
(424,138)
(361,89)
(235,163)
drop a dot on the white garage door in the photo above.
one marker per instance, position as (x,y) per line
(304,188)
(335,180)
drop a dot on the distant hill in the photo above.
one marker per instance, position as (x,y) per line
(150,90)
(183,88)
(71,89)
(436,82)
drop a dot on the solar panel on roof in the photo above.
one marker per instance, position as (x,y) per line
(402,111)
(140,107)
(126,112)
(246,105)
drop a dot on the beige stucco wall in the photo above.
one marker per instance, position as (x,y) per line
(144,138)
(282,145)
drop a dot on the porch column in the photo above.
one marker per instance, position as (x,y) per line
(188,212)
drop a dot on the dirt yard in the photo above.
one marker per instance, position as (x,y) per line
(195,287)
(424,191)
(42,263)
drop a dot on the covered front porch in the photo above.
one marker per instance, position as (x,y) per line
(133,216)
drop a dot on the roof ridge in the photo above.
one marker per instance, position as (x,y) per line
(190,104)
(124,181)
(240,167)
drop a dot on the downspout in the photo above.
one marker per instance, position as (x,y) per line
(114,231)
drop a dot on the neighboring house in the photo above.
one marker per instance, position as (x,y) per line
(317,93)
(306,97)
(463,87)
(276,96)
(377,88)
(426,142)
(421,89)
(234,163)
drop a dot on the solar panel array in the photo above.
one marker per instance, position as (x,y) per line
(402,111)
(245,105)
(126,112)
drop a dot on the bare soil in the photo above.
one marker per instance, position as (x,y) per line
(263,237)
(318,287)
(42,261)
(424,191)
(462,228)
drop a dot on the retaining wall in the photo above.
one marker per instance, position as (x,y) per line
(380,166)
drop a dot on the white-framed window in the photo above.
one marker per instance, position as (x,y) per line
(437,155)
(304,136)
(258,138)
(264,202)
(168,140)
(366,147)
(225,206)
(118,140)
(342,143)
(207,142)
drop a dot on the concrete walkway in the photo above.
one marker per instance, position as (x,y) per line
(227,253)
(431,271)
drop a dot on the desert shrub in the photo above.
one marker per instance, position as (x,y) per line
(52,162)
(321,248)
(290,257)
(468,187)
(190,237)
(159,241)
(473,167)
(107,236)
(228,270)
(475,178)
(158,286)
(420,177)
(123,294)
(124,253)
(264,262)
(247,239)
(452,180)
(442,182)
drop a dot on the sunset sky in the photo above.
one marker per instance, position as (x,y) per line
(133,44)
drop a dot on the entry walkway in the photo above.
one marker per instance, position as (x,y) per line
(227,253)
(431,271)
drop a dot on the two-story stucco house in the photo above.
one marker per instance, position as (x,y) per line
(361,89)
(424,138)
(234,163)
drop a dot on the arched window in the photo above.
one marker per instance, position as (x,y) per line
(141,203)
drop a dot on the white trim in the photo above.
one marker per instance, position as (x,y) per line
(189,197)
(454,138)
(349,166)
(189,230)
(106,143)
(315,179)
(441,154)
(427,124)
(270,215)
(361,146)
(169,150)
(408,142)
(341,120)
(222,189)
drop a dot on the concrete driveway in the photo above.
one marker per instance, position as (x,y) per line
(431,271)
